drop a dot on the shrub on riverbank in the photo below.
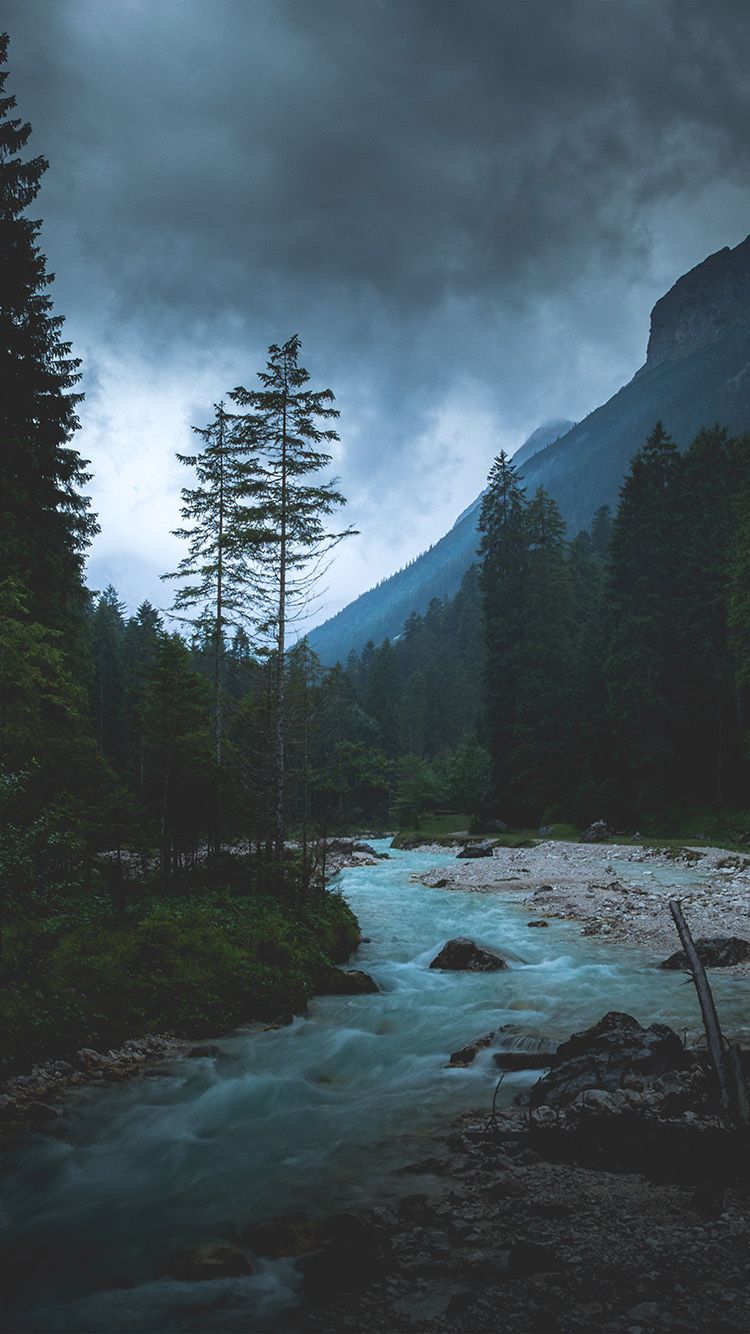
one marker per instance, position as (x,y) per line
(83,974)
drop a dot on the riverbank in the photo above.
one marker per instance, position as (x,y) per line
(324,1115)
(93,977)
(614,1197)
(617,892)
(507,1239)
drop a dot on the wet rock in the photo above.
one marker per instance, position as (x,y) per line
(460,1304)
(473,850)
(348,982)
(40,1112)
(465,1055)
(708,1201)
(463,955)
(648,1311)
(598,832)
(87,1057)
(528,1257)
(603,1056)
(551,1210)
(713,952)
(349,845)
(291,1234)
(357,1251)
(538,922)
(525,1058)
(211,1260)
(207,1050)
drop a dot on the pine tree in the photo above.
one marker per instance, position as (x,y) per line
(224,526)
(642,594)
(286,423)
(590,726)
(45,524)
(601,534)
(542,727)
(503,552)
(709,740)
(180,779)
(143,633)
(108,684)
(739,573)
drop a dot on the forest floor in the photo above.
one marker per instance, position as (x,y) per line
(615,891)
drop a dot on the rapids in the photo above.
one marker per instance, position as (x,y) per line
(319,1115)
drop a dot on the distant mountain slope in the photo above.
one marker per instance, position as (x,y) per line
(544,435)
(539,439)
(697,372)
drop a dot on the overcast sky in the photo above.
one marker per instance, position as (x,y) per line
(466,210)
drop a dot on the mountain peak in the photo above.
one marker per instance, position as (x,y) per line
(703,304)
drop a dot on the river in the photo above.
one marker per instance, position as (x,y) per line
(318,1115)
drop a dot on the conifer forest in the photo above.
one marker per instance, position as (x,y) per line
(210,828)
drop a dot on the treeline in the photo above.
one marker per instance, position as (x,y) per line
(617,671)
(604,677)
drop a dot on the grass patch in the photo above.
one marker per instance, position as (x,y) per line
(191,966)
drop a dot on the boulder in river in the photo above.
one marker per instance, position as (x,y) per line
(602,1056)
(210,1260)
(463,955)
(516,1051)
(348,982)
(465,1055)
(357,1250)
(290,1234)
(473,850)
(713,952)
(534,1056)
(598,832)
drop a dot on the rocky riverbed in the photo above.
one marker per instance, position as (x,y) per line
(623,1208)
(617,892)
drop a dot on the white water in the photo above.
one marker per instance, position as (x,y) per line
(316,1116)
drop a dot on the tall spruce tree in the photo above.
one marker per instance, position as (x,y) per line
(709,740)
(641,660)
(542,730)
(286,422)
(223,529)
(739,579)
(45,523)
(503,551)
(107,692)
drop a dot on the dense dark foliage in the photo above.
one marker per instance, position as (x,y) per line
(607,676)
(122,910)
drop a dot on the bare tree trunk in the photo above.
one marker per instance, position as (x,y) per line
(219,627)
(281,648)
(219,631)
(706,1000)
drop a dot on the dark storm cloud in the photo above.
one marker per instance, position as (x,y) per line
(465,209)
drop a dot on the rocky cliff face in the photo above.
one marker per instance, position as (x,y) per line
(703,305)
(697,373)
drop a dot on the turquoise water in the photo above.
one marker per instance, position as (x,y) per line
(316,1116)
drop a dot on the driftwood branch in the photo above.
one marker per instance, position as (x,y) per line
(705,997)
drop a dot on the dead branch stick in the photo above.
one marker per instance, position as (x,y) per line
(705,997)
